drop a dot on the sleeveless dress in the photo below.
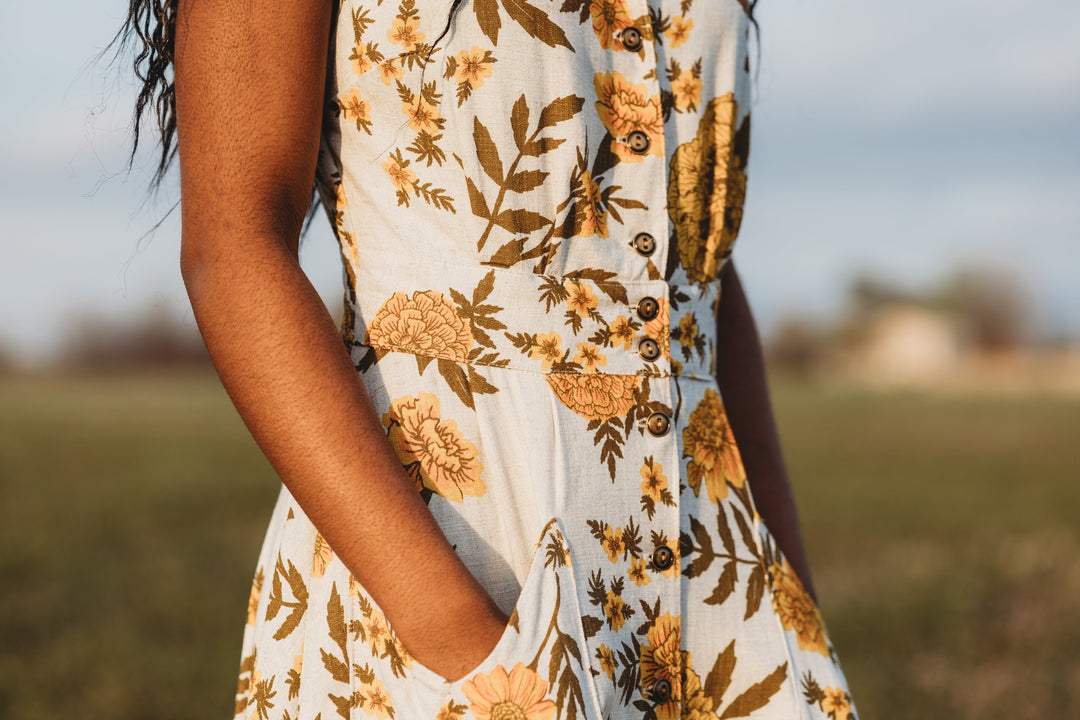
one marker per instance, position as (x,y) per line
(533,208)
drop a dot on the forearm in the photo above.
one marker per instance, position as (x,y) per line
(740,372)
(283,364)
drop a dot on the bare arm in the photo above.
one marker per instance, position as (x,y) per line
(249,89)
(740,372)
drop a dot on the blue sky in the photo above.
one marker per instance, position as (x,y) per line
(897,139)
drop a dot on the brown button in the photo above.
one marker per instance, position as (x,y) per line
(638,142)
(648,349)
(631,39)
(645,244)
(658,424)
(662,557)
(648,308)
(660,692)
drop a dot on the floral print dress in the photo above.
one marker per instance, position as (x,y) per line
(533,200)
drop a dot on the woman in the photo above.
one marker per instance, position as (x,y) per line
(514,491)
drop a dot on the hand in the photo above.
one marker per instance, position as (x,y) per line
(459,645)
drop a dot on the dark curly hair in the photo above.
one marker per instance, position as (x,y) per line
(151,26)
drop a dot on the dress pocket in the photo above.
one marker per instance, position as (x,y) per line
(539,663)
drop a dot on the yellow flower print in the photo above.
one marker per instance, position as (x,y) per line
(679,30)
(653,481)
(592,218)
(710,444)
(696,704)
(589,357)
(355,108)
(581,299)
(836,703)
(688,329)
(706,189)
(374,700)
(615,611)
(609,17)
(390,71)
(638,572)
(796,609)
(402,177)
(548,348)
(427,324)
(404,33)
(595,396)
(361,63)
(517,695)
(687,90)
(439,457)
(375,631)
(451,711)
(624,107)
(322,558)
(607,660)
(472,67)
(613,543)
(423,115)
(662,659)
(622,332)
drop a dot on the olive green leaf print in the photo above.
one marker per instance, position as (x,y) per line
(707,701)
(516,221)
(297,606)
(699,543)
(532,20)
(337,666)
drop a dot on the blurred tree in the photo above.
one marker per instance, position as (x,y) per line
(158,339)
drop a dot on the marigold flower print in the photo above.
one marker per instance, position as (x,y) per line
(696,704)
(615,610)
(687,91)
(548,349)
(356,109)
(581,299)
(796,609)
(426,324)
(402,177)
(404,33)
(435,452)
(589,357)
(609,17)
(595,396)
(679,30)
(472,67)
(710,444)
(836,703)
(661,659)
(622,332)
(517,695)
(423,115)
(374,700)
(706,189)
(607,660)
(624,107)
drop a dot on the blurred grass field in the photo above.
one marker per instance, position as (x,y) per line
(943,532)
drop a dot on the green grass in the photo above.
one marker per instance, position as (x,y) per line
(942,532)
